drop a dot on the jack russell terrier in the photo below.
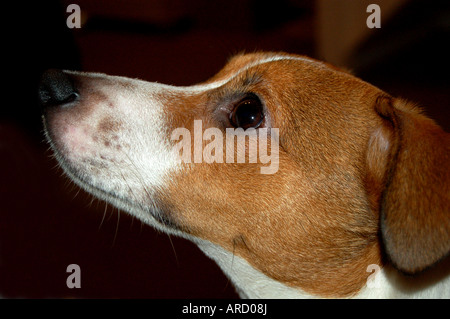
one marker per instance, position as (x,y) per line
(357,203)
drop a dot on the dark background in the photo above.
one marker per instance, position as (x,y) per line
(47,223)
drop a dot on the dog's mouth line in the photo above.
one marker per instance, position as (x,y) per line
(149,212)
(83,182)
(80,179)
(115,199)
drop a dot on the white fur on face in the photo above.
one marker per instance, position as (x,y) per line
(112,142)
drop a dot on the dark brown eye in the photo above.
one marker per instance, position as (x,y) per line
(248,113)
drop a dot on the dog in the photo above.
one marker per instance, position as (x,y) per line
(358,206)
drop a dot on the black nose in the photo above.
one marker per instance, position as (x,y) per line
(56,88)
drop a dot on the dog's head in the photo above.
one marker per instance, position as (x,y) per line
(351,173)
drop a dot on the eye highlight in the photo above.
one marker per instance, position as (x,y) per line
(248,113)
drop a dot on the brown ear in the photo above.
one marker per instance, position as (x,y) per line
(409,164)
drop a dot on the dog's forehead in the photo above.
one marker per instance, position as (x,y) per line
(244,62)
(253,59)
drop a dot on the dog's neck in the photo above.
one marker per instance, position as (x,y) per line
(387,283)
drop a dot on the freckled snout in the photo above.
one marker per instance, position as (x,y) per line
(107,133)
(57,89)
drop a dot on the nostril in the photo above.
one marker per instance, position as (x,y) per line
(56,88)
(72,97)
